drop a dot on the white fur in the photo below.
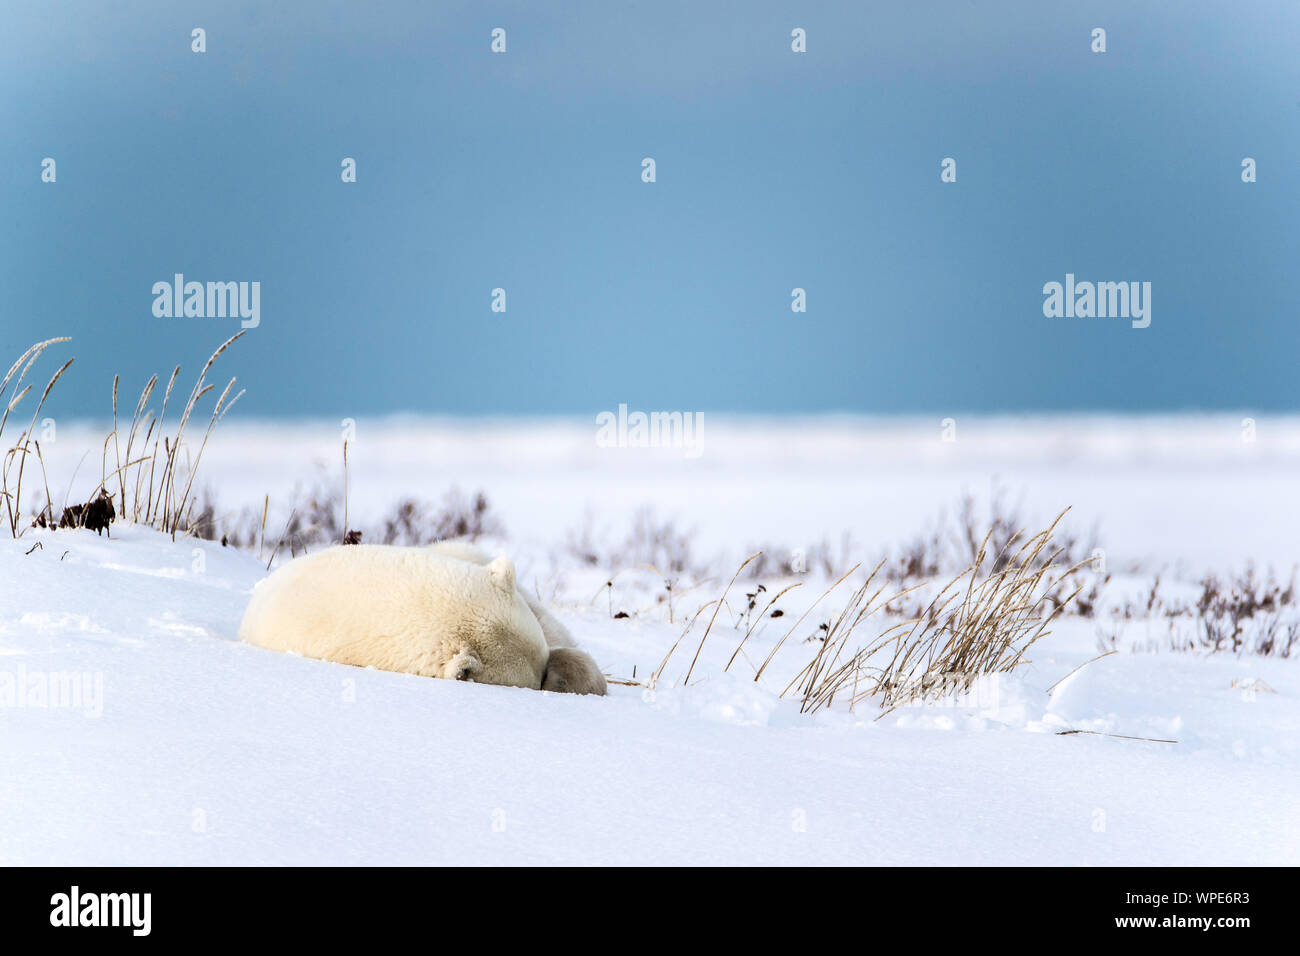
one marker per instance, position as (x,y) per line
(414,610)
(557,635)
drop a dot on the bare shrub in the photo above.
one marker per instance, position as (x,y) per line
(460,516)
(316,520)
(1244,614)
(948,546)
(922,557)
(657,543)
(652,542)
(580,543)
(1086,601)
(821,557)
(245,529)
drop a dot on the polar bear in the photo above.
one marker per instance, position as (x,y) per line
(407,609)
(568,669)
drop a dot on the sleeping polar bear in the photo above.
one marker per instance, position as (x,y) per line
(401,609)
(444,611)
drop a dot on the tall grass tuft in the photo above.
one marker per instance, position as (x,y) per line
(161,496)
(19,451)
(982,621)
(979,623)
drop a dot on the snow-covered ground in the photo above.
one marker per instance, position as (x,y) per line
(173,743)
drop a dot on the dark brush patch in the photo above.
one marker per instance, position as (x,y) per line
(96,515)
(99,513)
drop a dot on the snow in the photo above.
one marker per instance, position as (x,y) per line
(182,746)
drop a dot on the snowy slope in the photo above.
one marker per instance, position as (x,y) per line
(201,750)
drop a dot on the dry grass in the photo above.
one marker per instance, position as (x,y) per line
(983,621)
(170,510)
(155,487)
(979,623)
(26,444)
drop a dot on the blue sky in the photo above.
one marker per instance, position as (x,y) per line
(775,170)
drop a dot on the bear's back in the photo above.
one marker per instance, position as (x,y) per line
(367,604)
(401,609)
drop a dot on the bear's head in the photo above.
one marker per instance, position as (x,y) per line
(500,642)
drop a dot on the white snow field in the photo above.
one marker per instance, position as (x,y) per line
(135,729)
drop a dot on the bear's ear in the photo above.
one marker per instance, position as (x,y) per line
(502,573)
